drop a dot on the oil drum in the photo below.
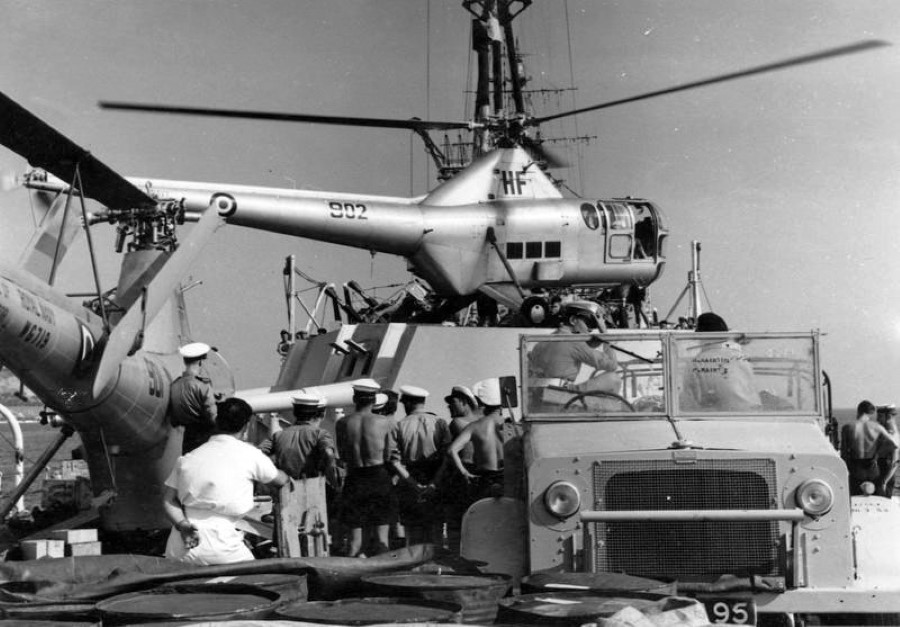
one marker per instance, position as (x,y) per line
(577,608)
(290,587)
(596,582)
(477,594)
(189,603)
(371,611)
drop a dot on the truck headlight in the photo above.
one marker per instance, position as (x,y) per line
(815,497)
(562,499)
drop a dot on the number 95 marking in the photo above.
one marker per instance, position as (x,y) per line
(735,613)
(348,210)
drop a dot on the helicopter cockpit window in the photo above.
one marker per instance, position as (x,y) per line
(620,216)
(514,250)
(620,246)
(740,373)
(577,377)
(591,216)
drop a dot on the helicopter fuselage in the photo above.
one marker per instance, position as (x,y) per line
(458,249)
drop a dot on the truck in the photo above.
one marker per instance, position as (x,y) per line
(744,502)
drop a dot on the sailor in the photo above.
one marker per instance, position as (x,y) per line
(861,444)
(368,502)
(554,314)
(305,450)
(888,460)
(558,364)
(719,377)
(192,404)
(454,490)
(485,472)
(418,443)
(211,488)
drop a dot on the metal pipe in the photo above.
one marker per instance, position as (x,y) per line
(696,307)
(691,515)
(65,433)
(19,443)
(291,288)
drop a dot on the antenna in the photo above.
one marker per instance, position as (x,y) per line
(694,285)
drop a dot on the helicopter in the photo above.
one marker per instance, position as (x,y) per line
(497,226)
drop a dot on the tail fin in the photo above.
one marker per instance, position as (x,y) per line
(51,240)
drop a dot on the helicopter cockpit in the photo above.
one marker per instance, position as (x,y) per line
(635,229)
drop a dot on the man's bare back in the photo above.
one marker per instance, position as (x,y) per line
(864,438)
(361,439)
(487,447)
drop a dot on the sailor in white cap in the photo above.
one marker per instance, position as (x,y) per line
(455,492)
(192,403)
(418,443)
(305,450)
(485,472)
(368,502)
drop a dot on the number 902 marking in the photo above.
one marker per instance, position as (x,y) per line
(348,210)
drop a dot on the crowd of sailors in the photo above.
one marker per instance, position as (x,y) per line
(391,479)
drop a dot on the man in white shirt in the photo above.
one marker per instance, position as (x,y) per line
(211,488)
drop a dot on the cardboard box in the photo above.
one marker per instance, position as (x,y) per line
(38,549)
(78,549)
(73,536)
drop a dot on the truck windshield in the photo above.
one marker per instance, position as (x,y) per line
(740,373)
(651,374)
(573,376)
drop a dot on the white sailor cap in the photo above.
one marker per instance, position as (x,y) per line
(308,400)
(366,386)
(381,400)
(411,391)
(461,391)
(488,392)
(194,350)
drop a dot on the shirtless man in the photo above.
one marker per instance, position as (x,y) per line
(368,500)
(888,460)
(861,444)
(486,470)
(454,488)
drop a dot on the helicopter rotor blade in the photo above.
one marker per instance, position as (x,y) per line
(860,46)
(412,124)
(45,147)
(540,152)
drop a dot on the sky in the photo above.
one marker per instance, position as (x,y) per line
(789,180)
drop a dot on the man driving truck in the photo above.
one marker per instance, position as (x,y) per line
(557,365)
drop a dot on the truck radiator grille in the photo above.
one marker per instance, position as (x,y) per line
(686,550)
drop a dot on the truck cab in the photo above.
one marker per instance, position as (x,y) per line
(706,463)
